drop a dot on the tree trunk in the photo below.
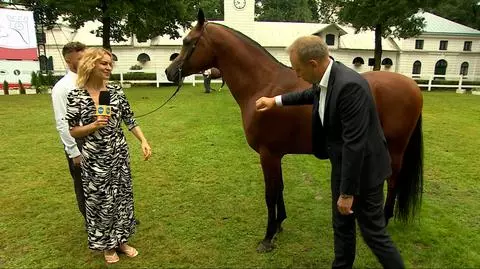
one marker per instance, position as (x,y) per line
(106,21)
(378,47)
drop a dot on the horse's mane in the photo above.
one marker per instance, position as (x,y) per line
(252,42)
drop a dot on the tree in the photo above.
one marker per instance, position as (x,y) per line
(386,18)
(327,10)
(466,12)
(213,9)
(287,11)
(120,19)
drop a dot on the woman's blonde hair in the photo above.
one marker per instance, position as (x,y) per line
(87,63)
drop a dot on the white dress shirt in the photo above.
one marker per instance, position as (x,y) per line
(323,85)
(323,90)
(59,100)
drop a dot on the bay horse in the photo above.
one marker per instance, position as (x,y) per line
(251,72)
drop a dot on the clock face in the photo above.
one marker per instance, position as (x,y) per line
(240,4)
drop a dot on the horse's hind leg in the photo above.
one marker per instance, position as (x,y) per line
(392,181)
(272,172)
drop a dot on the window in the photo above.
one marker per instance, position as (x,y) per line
(143,58)
(358,61)
(467,46)
(464,69)
(419,44)
(417,68)
(387,62)
(371,61)
(443,45)
(330,39)
(441,68)
(173,56)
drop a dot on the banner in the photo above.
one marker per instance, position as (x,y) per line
(17,35)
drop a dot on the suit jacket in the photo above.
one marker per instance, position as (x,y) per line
(351,136)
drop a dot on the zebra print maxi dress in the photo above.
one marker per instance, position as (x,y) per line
(106,177)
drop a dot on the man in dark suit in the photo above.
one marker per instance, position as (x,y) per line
(347,130)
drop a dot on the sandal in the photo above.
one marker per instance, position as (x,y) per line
(111,258)
(128,250)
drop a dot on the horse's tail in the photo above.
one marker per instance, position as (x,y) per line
(409,185)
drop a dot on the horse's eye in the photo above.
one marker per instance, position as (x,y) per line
(187,41)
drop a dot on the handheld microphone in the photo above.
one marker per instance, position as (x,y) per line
(104,108)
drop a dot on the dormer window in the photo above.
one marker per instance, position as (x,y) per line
(330,39)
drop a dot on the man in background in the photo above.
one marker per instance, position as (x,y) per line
(72,52)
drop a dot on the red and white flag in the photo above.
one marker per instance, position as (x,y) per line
(17,35)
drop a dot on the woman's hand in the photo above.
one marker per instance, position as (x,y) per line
(101,122)
(147,151)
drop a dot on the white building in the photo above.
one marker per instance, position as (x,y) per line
(444,48)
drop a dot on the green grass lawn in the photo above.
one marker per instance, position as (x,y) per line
(200,199)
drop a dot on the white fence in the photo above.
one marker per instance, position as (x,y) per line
(432,82)
(161,77)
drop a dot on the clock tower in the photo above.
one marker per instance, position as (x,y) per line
(240,15)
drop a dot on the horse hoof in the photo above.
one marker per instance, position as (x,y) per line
(265,246)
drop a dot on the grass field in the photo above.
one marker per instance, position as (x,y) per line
(200,199)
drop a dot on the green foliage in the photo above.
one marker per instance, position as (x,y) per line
(213,9)
(395,16)
(466,12)
(22,88)
(120,19)
(134,76)
(5,87)
(43,83)
(41,79)
(386,18)
(326,10)
(281,10)
(49,81)
(136,67)
(42,89)
(34,80)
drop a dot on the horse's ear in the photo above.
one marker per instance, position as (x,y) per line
(200,17)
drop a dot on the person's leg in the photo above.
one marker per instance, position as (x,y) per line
(343,231)
(76,173)
(371,219)
(206,83)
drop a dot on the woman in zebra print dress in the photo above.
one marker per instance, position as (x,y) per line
(106,177)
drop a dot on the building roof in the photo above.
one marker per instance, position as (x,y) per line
(282,34)
(436,25)
(271,34)
(364,41)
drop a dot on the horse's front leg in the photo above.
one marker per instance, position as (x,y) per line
(272,172)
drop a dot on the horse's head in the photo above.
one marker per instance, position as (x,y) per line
(196,54)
